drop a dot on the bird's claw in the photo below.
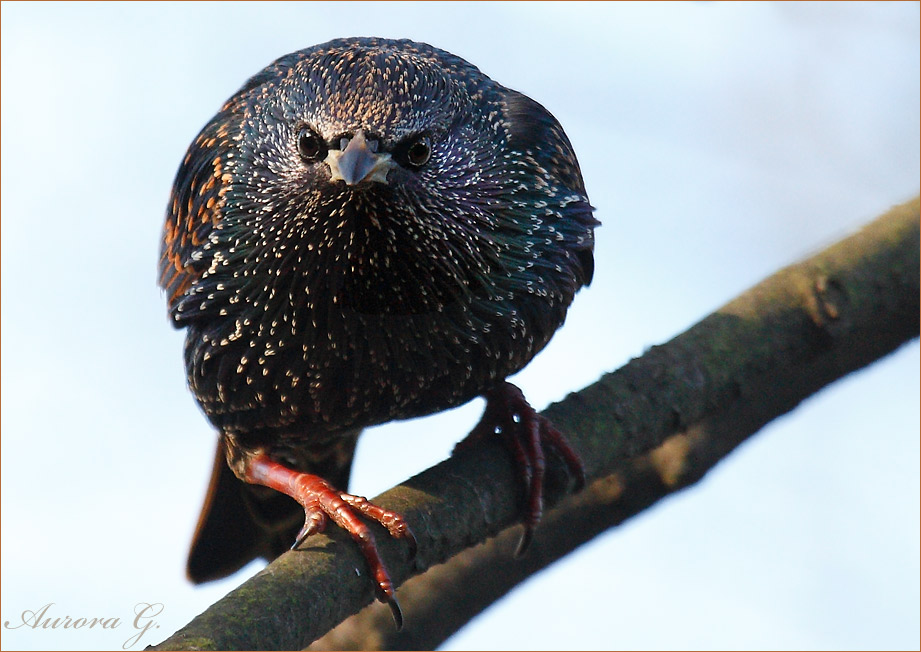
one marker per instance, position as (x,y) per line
(325,502)
(526,434)
(314,523)
(396,612)
(322,502)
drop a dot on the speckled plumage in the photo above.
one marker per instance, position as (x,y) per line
(316,306)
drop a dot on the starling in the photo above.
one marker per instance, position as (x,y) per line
(368,230)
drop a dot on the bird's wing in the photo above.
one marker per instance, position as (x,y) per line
(195,209)
(534,131)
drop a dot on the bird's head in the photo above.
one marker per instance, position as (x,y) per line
(393,175)
(392,122)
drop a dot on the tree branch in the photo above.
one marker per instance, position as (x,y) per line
(644,431)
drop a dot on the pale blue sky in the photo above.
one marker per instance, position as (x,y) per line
(719,142)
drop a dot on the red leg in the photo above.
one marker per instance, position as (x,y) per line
(525,433)
(321,502)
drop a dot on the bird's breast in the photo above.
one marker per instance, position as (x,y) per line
(369,313)
(314,373)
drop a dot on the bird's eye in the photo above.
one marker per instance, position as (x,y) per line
(419,152)
(309,145)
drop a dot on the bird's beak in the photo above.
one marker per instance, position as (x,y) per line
(358,162)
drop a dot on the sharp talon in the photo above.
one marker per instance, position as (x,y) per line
(312,524)
(411,542)
(396,612)
(301,536)
(524,542)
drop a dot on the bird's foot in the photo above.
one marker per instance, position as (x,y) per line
(526,434)
(321,502)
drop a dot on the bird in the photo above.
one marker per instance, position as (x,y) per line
(368,230)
